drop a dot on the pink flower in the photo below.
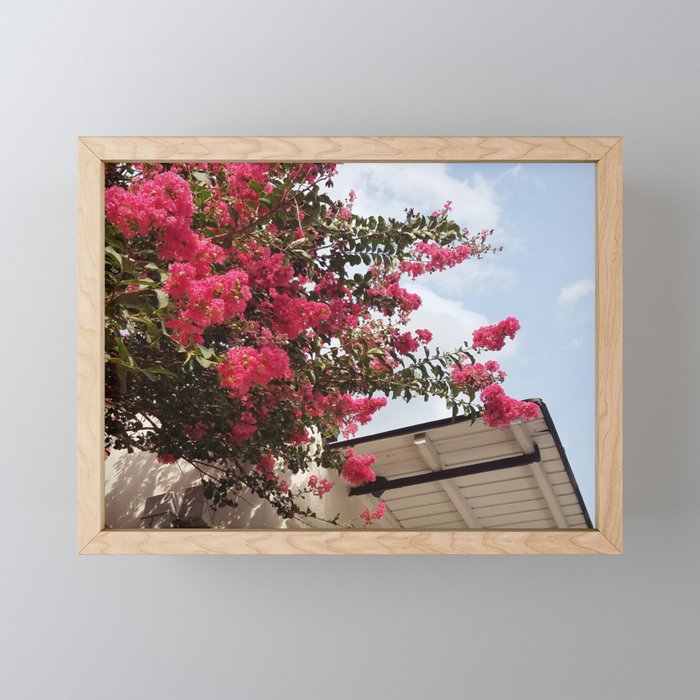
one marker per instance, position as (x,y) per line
(319,486)
(201,302)
(432,257)
(180,280)
(388,295)
(356,411)
(501,410)
(196,431)
(166,458)
(406,343)
(324,486)
(376,514)
(244,429)
(244,367)
(477,376)
(266,466)
(358,468)
(292,315)
(298,436)
(493,337)
(160,204)
(424,335)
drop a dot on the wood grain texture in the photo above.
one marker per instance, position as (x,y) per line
(349,542)
(609,345)
(90,345)
(94,539)
(359,149)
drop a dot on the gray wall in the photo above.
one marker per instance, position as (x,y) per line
(168,627)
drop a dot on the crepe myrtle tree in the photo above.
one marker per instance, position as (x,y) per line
(250,318)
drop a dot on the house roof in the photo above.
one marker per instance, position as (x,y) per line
(540,492)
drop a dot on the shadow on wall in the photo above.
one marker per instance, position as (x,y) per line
(131,478)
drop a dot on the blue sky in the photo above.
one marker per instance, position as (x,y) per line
(544,216)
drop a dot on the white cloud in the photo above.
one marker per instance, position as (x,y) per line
(476,276)
(448,320)
(571,293)
(388,188)
(451,323)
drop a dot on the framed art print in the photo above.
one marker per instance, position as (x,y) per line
(350,345)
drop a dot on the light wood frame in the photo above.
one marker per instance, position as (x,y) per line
(606,153)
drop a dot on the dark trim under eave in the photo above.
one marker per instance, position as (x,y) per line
(382,484)
(565,460)
(398,432)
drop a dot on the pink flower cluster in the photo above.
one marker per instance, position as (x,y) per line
(477,376)
(184,245)
(383,364)
(162,206)
(376,514)
(319,486)
(266,467)
(292,315)
(344,310)
(424,335)
(243,429)
(501,410)
(493,337)
(196,431)
(265,269)
(387,295)
(298,436)
(202,302)
(245,366)
(355,411)
(161,203)
(358,468)
(437,258)
(446,207)
(405,343)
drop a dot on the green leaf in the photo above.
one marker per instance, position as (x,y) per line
(132,300)
(162,371)
(123,352)
(114,255)
(202,177)
(121,373)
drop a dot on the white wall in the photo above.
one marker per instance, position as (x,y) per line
(554,628)
(130,479)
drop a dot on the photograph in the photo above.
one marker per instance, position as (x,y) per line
(358,345)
